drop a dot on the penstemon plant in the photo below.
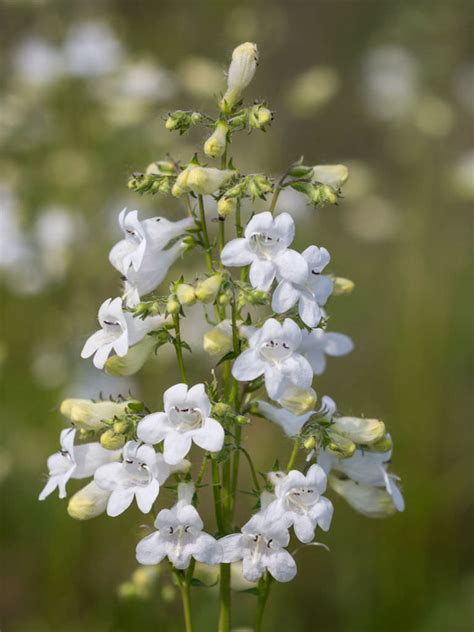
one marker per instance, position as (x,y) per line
(269,338)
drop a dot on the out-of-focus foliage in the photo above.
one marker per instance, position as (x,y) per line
(385,87)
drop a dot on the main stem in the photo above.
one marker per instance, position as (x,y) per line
(205,233)
(179,349)
(186,599)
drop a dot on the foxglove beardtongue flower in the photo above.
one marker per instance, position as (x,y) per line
(317,344)
(299,502)
(311,294)
(144,240)
(186,418)
(179,537)
(265,247)
(139,476)
(201,180)
(241,72)
(367,468)
(260,546)
(274,352)
(120,330)
(74,461)
(292,424)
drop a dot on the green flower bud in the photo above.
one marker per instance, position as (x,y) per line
(221,409)
(112,441)
(340,446)
(89,502)
(226,205)
(173,306)
(383,445)
(242,420)
(342,286)
(259,116)
(207,290)
(226,297)
(301,171)
(171,123)
(310,443)
(185,294)
(362,431)
(121,427)
(218,341)
(329,194)
(298,400)
(89,415)
(215,145)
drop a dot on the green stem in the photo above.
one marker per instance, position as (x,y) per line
(186,599)
(205,233)
(294,453)
(255,480)
(262,600)
(224,612)
(238,222)
(178,347)
(221,235)
(216,490)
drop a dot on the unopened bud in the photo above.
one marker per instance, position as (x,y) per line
(218,341)
(89,415)
(171,123)
(329,194)
(342,286)
(173,306)
(259,116)
(207,290)
(121,427)
(241,72)
(383,445)
(340,446)
(185,294)
(300,171)
(298,400)
(310,443)
(134,359)
(242,420)
(206,180)
(362,431)
(215,145)
(226,205)
(333,175)
(221,408)
(89,502)
(112,441)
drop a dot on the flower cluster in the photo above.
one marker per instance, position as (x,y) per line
(266,368)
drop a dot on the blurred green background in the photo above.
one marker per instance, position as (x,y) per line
(384,86)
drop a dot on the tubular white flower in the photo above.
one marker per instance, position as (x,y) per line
(368,500)
(74,461)
(333,175)
(310,295)
(201,180)
(265,247)
(317,344)
(89,415)
(120,330)
(261,546)
(138,476)
(241,72)
(274,351)
(186,419)
(215,145)
(290,423)
(299,502)
(89,502)
(366,468)
(179,536)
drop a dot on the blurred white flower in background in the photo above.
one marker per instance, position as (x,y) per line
(373,219)
(462,175)
(92,49)
(13,245)
(312,89)
(37,62)
(201,77)
(390,81)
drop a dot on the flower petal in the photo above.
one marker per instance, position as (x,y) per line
(322,512)
(284,297)
(151,550)
(146,496)
(262,273)
(248,366)
(175,447)
(291,266)
(281,566)
(237,253)
(252,568)
(94,342)
(337,344)
(101,355)
(153,428)
(119,501)
(284,226)
(309,311)
(198,398)
(232,550)
(211,436)
(207,549)
(304,527)
(174,396)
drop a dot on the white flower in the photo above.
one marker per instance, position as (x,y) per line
(319,343)
(179,536)
(144,240)
(274,352)
(310,295)
(260,546)
(184,420)
(291,423)
(139,476)
(367,468)
(334,175)
(265,247)
(299,502)
(119,331)
(368,500)
(80,461)
(241,71)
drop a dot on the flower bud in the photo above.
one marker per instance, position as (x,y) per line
(173,306)
(342,286)
(226,205)
(89,502)
(259,116)
(185,294)
(215,145)
(207,180)
(171,123)
(134,359)
(241,72)
(207,290)
(259,186)
(121,427)
(112,441)
(333,175)
(218,341)
(371,501)
(385,444)
(298,400)
(300,171)
(221,408)
(364,431)
(89,415)
(340,446)
(310,443)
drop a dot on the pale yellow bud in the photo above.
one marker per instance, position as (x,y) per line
(298,400)
(89,502)
(342,286)
(185,294)
(264,116)
(310,443)
(218,341)
(365,431)
(333,175)
(206,180)
(112,441)
(207,290)
(226,206)
(241,72)
(340,446)
(180,187)
(133,361)
(173,306)
(215,145)
(89,415)
(371,501)
(383,445)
